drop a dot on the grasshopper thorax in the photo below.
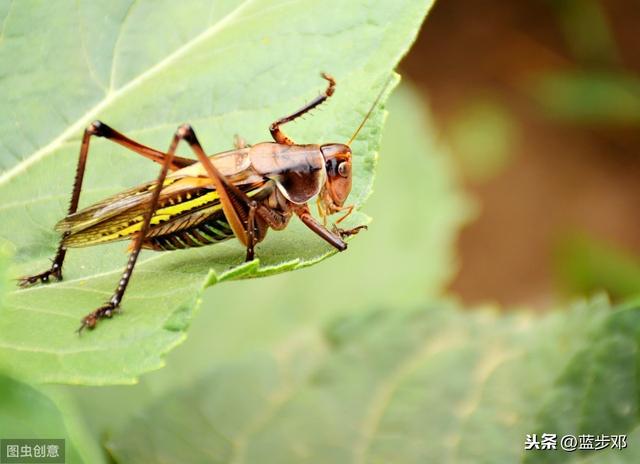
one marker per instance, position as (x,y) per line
(334,193)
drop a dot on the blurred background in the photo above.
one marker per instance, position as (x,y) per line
(539,102)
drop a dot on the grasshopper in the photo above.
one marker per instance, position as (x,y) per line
(242,192)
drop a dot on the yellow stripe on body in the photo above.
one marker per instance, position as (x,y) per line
(162,215)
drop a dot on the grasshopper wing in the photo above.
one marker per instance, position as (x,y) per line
(121,216)
(106,209)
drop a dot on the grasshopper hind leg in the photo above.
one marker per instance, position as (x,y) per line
(112,306)
(222,185)
(95,129)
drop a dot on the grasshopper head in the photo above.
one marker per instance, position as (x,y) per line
(337,161)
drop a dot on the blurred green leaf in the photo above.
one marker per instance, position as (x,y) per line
(585,265)
(432,385)
(588,97)
(598,392)
(587,30)
(27,412)
(482,135)
(418,210)
(146,67)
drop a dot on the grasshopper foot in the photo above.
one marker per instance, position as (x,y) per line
(91,320)
(348,232)
(43,277)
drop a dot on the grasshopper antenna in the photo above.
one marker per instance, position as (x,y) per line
(373,106)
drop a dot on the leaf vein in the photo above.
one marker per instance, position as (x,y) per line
(116,47)
(86,118)
(385,390)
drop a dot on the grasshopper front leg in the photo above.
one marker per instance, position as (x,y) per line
(344,233)
(334,239)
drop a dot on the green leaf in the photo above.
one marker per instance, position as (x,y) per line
(430,385)
(145,67)
(5,283)
(26,412)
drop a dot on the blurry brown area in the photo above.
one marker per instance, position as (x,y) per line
(560,174)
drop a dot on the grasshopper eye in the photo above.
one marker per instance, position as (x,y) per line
(344,169)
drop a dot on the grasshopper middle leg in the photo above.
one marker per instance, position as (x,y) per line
(240,210)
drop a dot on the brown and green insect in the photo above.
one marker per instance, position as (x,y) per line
(241,192)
